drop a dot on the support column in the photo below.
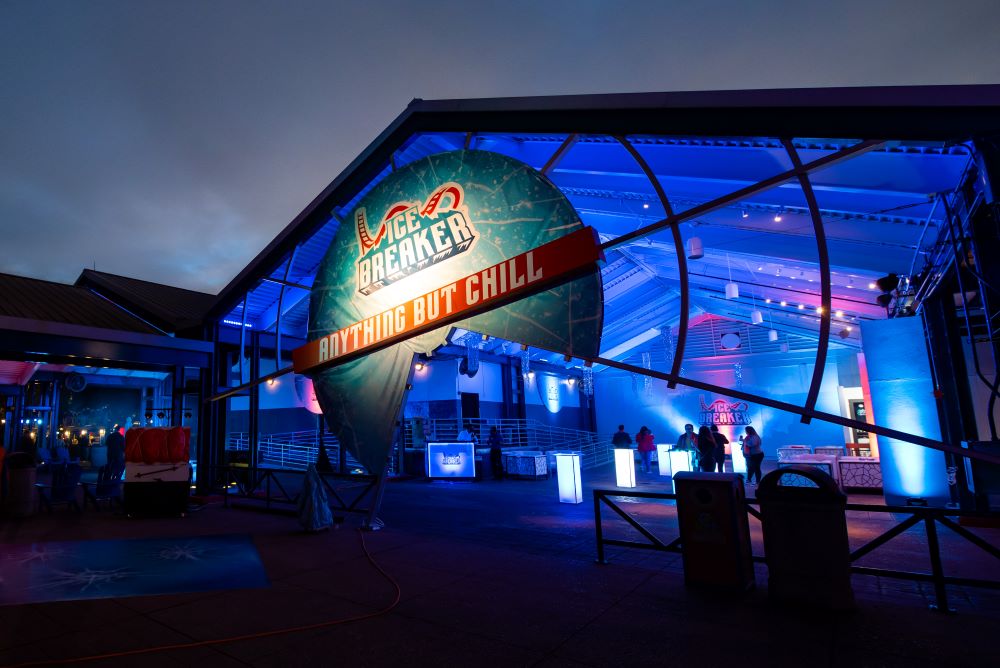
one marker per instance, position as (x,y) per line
(902,390)
(253,414)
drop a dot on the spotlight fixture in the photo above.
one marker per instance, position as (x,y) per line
(801,306)
(840,314)
(645,205)
(767,301)
(887,283)
(531,374)
(777,216)
(744,213)
(819,310)
(871,286)
(695,249)
(271,382)
(419,366)
(784,303)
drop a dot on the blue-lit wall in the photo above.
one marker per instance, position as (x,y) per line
(899,375)
(666,411)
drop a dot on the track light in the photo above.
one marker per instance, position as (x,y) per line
(887,283)
(695,249)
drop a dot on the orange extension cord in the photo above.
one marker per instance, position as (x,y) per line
(231,639)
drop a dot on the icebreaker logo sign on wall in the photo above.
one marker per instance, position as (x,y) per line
(413,236)
(468,239)
(724,412)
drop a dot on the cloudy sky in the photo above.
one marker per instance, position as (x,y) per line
(171,141)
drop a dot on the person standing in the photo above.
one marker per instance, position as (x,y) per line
(621,439)
(688,441)
(496,453)
(645,445)
(706,450)
(754,454)
(720,448)
(115,441)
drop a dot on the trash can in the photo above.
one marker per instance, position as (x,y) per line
(21,478)
(805,538)
(715,533)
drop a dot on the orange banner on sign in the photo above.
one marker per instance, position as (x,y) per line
(520,276)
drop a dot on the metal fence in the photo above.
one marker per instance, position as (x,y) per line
(929,518)
(298,449)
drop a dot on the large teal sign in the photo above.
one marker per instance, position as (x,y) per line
(444,233)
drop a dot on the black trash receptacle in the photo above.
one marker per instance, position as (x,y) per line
(805,538)
(715,534)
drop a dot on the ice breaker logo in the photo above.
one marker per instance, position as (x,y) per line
(413,236)
(721,411)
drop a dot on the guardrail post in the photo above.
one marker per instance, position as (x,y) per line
(940,590)
(599,528)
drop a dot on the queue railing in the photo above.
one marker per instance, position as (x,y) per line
(929,518)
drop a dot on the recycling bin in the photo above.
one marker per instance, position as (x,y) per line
(715,532)
(805,538)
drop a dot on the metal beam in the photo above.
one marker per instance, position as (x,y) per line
(672,220)
(682,271)
(559,154)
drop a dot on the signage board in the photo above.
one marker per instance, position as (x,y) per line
(453,460)
(723,412)
(468,239)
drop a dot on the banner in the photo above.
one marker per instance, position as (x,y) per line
(467,239)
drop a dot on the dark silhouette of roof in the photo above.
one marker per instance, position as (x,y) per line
(168,308)
(35,299)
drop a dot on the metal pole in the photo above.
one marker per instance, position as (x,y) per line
(940,590)
(599,528)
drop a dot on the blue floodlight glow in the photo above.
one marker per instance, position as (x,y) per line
(902,392)
(236,323)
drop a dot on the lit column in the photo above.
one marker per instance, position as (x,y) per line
(624,467)
(902,398)
(568,474)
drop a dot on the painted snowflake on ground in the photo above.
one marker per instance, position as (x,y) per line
(88,578)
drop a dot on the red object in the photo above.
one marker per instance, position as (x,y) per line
(157,445)
(132,451)
(645,442)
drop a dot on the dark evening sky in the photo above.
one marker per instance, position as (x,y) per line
(171,141)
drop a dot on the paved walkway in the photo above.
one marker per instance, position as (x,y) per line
(494,573)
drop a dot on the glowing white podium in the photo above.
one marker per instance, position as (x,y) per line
(663,458)
(625,467)
(568,474)
(681,460)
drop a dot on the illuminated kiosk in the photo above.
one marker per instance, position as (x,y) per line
(624,467)
(663,458)
(451,460)
(680,461)
(568,473)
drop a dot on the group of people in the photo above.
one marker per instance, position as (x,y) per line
(709,443)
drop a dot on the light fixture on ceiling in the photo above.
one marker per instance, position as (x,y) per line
(819,310)
(871,286)
(645,205)
(784,303)
(756,317)
(419,366)
(767,301)
(801,306)
(772,334)
(695,249)
(744,213)
(777,216)
(732,290)
(840,314)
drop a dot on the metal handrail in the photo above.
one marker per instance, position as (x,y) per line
(930,517)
